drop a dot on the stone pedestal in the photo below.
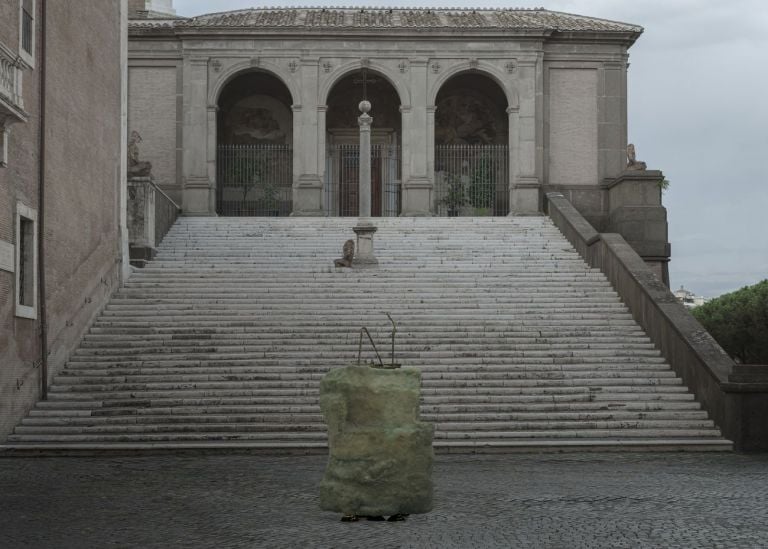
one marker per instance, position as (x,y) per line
(380,460)
(636,213)
(364,256)
(525,198)
(141,220)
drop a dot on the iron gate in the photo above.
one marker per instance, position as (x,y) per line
(471,180)
(254,180)
(341,188)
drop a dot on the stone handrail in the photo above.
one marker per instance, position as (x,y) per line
(736,407)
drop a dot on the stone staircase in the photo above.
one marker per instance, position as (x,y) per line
(221,342)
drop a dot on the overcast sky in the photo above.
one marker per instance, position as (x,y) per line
(698,90)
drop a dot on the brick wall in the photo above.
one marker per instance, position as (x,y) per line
(19,340)
(152,111)
(82,184)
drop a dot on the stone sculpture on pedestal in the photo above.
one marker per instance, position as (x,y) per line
(632,162)
(136,167)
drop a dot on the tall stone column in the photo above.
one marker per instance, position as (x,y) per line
(364,181)
(417,188)
(198,197)
(309,157)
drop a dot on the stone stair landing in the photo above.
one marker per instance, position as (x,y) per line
(222,340)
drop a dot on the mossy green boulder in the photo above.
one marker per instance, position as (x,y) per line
(381,455)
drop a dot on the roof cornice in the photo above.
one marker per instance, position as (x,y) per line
(507,23)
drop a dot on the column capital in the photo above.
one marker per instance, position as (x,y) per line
(513,110)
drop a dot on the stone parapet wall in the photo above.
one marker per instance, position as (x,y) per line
(736,404)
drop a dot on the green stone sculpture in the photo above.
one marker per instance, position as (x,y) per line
(381,455)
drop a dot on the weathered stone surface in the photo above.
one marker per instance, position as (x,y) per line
(380,453)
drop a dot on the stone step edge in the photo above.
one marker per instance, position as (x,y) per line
(441,447)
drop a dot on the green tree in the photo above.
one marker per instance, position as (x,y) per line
(739,322)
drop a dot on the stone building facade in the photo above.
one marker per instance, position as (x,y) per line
(62,190)
(547,89)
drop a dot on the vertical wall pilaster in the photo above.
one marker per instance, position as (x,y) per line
(612,120)
(198,196)
(308,144)
(526,130)
(417,184)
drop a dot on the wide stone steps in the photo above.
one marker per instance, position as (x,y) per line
(201,415)
(222,341)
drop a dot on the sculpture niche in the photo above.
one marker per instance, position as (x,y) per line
(136,167)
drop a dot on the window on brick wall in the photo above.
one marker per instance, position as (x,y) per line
(27,28)
(5,135)
(26,261)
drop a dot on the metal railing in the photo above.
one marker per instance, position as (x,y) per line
(471,180)
(341,188)
(166,213)
(254,180)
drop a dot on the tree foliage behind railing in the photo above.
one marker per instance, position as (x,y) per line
(739,322)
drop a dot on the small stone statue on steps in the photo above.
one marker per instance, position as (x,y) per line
(347,254)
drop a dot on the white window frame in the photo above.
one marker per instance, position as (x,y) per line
(22,211)
(29,57)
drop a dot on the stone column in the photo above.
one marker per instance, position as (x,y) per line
(322,147)
(212,151)
(198,197)
(417,188)
(309,157)
(364,180)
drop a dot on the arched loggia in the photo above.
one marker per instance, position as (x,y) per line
(255,146)
(343,138)
(471,147)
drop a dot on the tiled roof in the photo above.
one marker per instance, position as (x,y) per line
(372,18)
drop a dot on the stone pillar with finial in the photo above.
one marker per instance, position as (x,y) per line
(364,256)
(365,120)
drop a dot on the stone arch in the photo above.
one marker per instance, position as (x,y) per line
(230,73)
(471,141)
(253,144)
(353,66)
(483,68)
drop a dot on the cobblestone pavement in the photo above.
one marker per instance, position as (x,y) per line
(529,500)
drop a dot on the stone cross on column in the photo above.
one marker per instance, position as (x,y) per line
(365,120)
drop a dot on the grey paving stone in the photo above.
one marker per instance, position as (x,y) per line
(543,501)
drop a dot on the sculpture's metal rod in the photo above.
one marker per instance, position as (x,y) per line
(360,347)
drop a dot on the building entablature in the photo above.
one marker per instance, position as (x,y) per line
(11,97)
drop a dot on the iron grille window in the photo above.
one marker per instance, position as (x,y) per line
(26,26)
